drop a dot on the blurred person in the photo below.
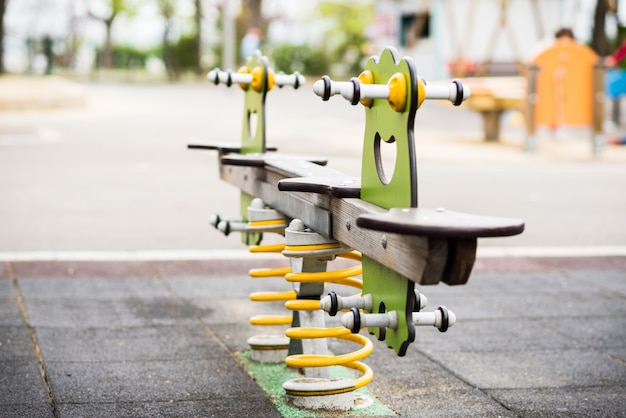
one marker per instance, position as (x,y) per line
(564,82)
(250,42)
(564,34)
(616,57)
(612,61)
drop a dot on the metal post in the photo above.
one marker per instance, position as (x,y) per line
(530,145)
(616,110)
(597,137)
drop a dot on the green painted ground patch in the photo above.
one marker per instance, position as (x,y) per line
(272,376)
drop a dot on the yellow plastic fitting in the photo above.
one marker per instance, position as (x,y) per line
(257,79)
(397,92)
(421,92)
(243,70)
(366,77)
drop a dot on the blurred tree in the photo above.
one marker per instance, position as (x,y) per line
(346,40)
(198,36)
(3,8)
(598,39)
(249,17)
(255,19)
(302,58)
(167,8)
(116,7)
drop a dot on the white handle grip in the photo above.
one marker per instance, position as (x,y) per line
(354,91)
(296,80)
(326,88)
(456,92)
(229,77)
(441,319)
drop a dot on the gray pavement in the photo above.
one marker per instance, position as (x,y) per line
(160,336)
(535,338)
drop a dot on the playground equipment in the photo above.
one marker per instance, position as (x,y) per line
(563,88)
(566,89)
(374,220)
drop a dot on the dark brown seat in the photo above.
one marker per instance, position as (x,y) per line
(440,223)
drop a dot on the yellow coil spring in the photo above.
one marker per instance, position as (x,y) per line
(270,296)
(350,360)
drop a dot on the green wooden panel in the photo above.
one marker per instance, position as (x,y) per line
(253,136)
(390,291)
(382,123)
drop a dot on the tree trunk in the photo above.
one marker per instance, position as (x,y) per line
(3,7)
(198,22)
(598,39)
(106,61)
(256,18)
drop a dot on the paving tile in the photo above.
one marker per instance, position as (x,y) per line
(15,344)
(612,281)
(93,289)
(617,353)
(4,272)
(415,373)
(259,406)
(524,283)
(163,381)
(211,268)
(39,410)
(10,313)
(444,404)
(234,309)
(491,335)
(601,332)
(235,334)
(560,304)
(147,343)
(80,269)
(89,313)
(6,289)
(233,286)
(21,383)
(533,368)
(414,385)
(565,402)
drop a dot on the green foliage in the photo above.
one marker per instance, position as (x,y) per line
(185,52)
(341,52)
(345,40)
(124,6)
(127,57)
(301,58)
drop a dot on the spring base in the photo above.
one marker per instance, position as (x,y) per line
(315,393)
(268,348)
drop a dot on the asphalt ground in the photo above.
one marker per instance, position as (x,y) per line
(117,298)
(116,174)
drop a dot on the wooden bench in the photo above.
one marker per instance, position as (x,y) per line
(492,96)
